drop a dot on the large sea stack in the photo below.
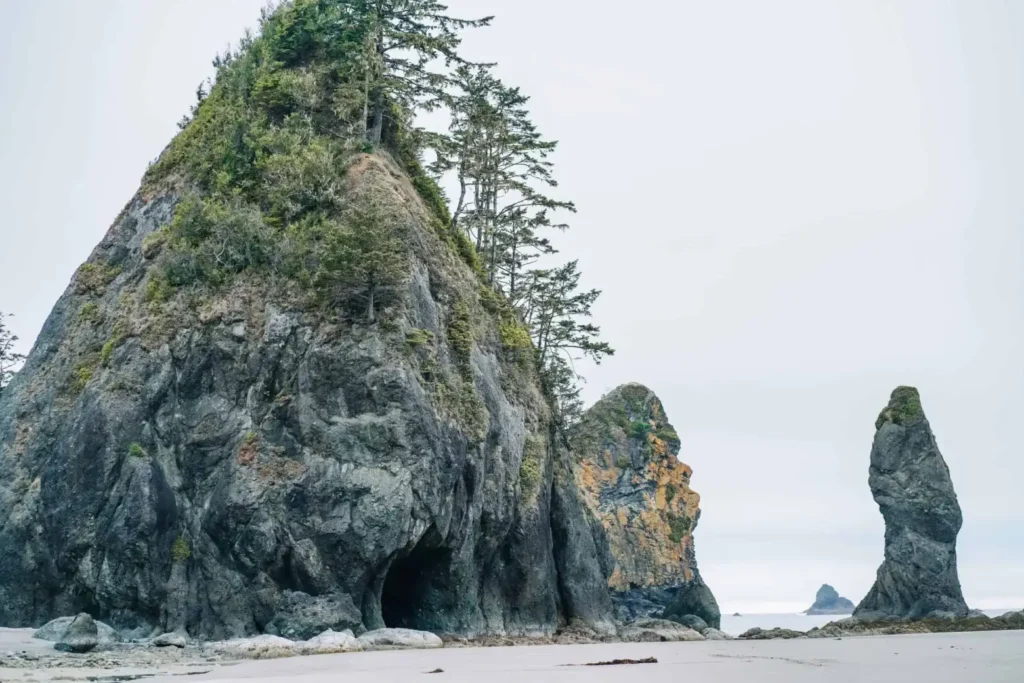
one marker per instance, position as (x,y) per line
(911,484)
(278,396)
(628,468)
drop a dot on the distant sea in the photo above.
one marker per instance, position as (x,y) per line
(797,622)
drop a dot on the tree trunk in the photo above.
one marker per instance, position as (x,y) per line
(371,316)
(377,128)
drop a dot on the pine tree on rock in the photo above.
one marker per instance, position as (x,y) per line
(9,360)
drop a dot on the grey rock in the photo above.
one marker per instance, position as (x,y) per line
(296,453)
(80,636)
(771,634)
(977,614)
(330,642)
(692,621)
(399,638)
(1013,620)
(658,631)
(264,646)
(695,598)
(911,484)
(54,630)
(170,640)
(828,601)
(715,634)
(300,616)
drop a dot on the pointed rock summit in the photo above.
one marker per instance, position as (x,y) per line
(628,469)
(911,484)
(828,601)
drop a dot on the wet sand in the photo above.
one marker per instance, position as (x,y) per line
(937,658)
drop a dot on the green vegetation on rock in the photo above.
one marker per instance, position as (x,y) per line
(904,408)
(137,451)
(180,550)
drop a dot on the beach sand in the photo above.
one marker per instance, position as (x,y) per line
(952,657)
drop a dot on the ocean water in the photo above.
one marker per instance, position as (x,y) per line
(798,622)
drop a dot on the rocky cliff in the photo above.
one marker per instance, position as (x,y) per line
(828,601)
(279,397)
(627,467)
(911,484)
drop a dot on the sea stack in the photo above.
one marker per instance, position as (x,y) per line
(911,484)
(627,467)
(279,398)
(828,601)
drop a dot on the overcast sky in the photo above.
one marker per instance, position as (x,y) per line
(791,207)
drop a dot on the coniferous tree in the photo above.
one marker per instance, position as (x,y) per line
(401,38)
(365,260)
(503,168)
(555,310)
(9,360)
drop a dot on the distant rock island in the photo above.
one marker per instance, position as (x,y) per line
(828,601)
(911,484)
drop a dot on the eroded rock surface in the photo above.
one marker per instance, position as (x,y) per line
(628,469)
(230,460)
(911,484)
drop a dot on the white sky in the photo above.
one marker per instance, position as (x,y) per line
(791,207)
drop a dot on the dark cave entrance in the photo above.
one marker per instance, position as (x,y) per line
(415,587)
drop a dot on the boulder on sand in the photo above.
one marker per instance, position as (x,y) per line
(399,638)
(658,631)
(176,639)
(80,636)
(54,629)
(330,642)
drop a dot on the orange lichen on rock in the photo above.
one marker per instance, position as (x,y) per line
(632,480)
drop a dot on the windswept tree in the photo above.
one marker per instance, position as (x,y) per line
(402,41)
(556,312)
(502,165)
(9,360)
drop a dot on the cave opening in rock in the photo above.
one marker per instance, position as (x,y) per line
(415,588)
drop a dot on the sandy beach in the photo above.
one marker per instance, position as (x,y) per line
(933,657)
(954,657)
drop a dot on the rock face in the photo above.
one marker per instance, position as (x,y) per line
(628,469)
(230,459)
(911,484)
(828,601)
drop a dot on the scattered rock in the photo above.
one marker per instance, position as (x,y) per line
(695,598)
(330,642)
(658,631)
(53,631)
(175,639)
(264,646)
(911,484)
(399,638)
(300,616)
(771,634)
(619,662)
(80,636)
(828,601)
(691,620)
(715,634)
